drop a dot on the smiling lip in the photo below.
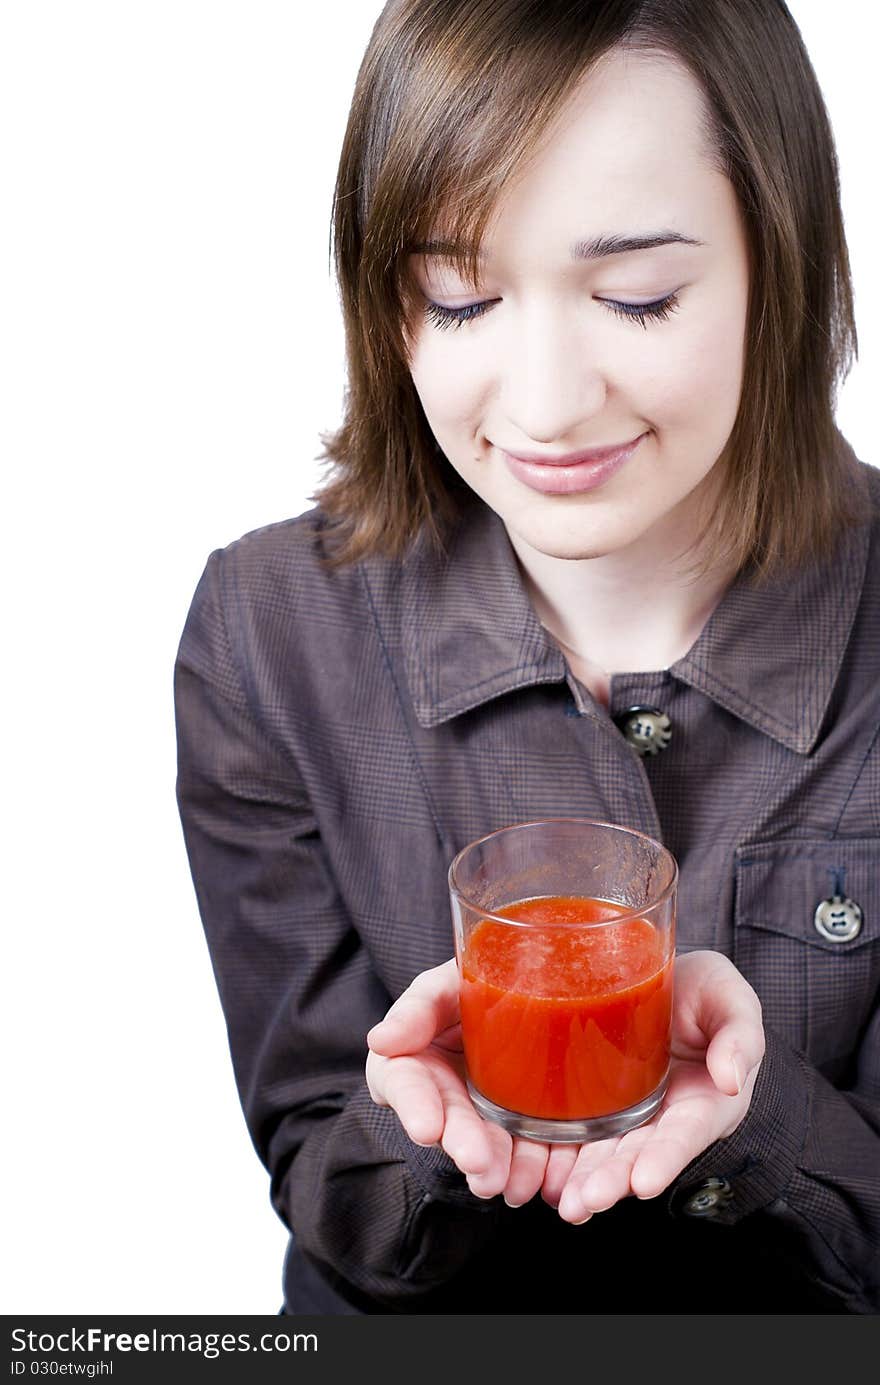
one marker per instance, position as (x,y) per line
(573,473)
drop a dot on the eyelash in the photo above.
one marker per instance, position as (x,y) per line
(642,313)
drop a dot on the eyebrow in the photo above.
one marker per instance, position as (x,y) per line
(598,248)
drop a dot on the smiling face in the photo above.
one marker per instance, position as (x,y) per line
(563,348)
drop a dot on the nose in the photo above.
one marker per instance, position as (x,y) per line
(552,384)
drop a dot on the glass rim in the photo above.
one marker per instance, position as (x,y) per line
(625,916)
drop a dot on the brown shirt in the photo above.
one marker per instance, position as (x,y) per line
(343,734)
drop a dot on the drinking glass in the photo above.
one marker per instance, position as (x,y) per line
(565,941)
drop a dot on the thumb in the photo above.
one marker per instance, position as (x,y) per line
(427,1007)
(732,1058)
(718,1013)
(728,1013)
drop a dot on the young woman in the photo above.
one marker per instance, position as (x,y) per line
(597,304)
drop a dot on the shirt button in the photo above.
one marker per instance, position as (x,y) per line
(838,919)
(708,1199)
(647,729)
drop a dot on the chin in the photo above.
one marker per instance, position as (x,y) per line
(571,546)
(578,552)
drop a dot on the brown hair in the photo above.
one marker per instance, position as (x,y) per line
(451,98)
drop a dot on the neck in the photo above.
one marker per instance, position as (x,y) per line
(638,609)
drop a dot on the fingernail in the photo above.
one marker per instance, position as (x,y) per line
(740,1071)
(512,1204)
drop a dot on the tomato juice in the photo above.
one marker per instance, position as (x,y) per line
(560,1019)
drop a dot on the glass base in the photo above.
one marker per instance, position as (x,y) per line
(570,1132)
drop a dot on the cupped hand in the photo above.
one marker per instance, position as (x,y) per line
(717,1048)
(416,1066)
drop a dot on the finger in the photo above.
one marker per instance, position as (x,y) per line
(478,1147)
(492,1181)
(591,1155)
(528,1165)
(426,1008)
(682,1133)
(601,1176)
(586,1157)
(408,1087)
(560,1163)
(433,1106)
(475,1148)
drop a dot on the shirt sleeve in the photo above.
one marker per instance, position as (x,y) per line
(804,1168)
(298,992)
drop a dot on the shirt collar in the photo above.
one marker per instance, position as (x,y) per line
(769,654)
(471,632)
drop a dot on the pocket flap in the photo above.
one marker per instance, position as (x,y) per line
(779,886)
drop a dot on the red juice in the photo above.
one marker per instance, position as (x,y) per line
(562,1021)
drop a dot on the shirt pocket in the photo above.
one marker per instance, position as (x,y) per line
(817,993)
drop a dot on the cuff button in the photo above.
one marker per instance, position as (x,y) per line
(708,1199)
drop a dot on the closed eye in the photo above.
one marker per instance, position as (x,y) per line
(454,317)
(642,313)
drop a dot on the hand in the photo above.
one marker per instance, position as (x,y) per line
(416,1066)
(717,1048)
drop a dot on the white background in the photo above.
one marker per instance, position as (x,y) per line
(171,352)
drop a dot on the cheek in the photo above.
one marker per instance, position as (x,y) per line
(450,384)
(696,385)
